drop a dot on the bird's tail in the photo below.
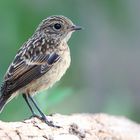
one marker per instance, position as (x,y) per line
(3,101)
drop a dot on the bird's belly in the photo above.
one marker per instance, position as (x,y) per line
(48,79)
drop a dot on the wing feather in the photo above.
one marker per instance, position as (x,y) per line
(26,68)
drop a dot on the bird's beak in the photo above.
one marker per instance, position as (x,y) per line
(75,28)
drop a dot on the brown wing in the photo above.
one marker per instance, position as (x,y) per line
(26,68)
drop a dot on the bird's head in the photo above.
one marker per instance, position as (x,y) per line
(57,27)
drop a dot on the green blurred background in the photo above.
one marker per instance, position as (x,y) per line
(105,71)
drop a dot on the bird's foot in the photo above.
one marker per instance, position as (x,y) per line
(44,119)
(49,123)
(36,116)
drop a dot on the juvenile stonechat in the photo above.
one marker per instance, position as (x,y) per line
(39,63)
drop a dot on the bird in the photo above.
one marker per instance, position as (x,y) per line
(40,62)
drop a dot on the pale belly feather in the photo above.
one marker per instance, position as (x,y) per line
(51,77)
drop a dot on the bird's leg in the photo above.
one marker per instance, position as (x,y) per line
(43,116)
(27,101)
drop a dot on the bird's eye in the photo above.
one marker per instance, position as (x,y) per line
(57,26)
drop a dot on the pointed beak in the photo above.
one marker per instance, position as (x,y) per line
(76,28)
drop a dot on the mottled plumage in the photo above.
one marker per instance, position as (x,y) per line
(41,61)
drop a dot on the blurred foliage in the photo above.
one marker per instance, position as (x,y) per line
(105,71)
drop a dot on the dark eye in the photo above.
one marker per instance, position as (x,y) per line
(57,26)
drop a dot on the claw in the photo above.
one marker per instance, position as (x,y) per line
(49,123)
(36,116)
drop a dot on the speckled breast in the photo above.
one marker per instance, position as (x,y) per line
(53,75)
